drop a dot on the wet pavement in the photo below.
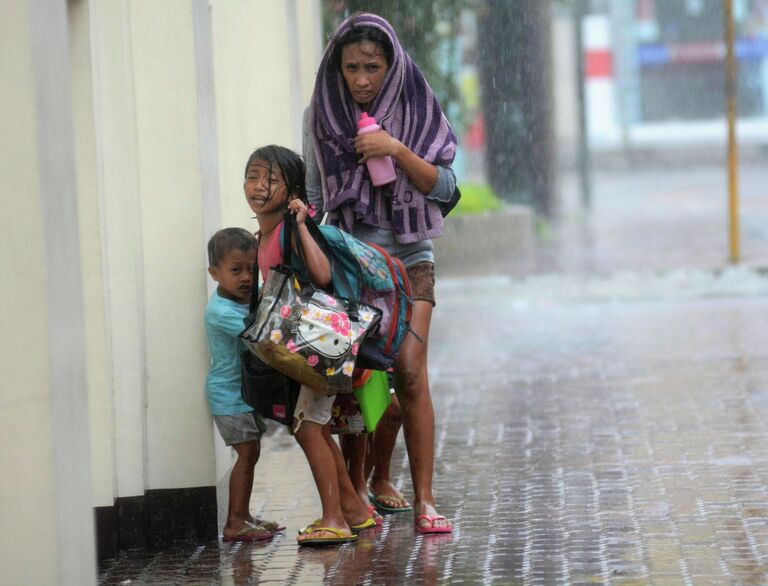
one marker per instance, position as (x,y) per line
(602,423)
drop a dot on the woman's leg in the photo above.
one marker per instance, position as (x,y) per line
(412,385)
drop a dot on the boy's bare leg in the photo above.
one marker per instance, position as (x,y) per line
(311,438)
(240,487)
(412,384)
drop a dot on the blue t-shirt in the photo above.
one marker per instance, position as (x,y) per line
(223,324)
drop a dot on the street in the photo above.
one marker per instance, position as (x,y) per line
(601,419)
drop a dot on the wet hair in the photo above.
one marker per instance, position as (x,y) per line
(290,164)
(226,240)
(359,34)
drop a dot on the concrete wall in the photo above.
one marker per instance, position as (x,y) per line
(124,129)
(265,59)
(146,232)
(47,535)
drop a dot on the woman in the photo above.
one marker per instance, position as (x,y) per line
(364,69)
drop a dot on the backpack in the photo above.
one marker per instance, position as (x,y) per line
(367,273)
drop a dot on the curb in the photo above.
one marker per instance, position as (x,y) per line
(472,244)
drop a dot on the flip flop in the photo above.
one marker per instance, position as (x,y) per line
(250,534)
(375,515)
(311,527)
(369,523)
(341,537)
(272,526)
(378,502)
(431,529)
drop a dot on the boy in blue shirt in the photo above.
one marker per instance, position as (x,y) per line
(231,260)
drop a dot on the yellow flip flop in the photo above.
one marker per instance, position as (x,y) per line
(340,536)
(367,524)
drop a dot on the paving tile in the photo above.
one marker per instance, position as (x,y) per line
(578,441)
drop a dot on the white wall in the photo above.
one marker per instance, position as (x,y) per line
(98,366)
(110,193)
(122,269)
(47,535)
(265,59)
(150,169)
(178,436)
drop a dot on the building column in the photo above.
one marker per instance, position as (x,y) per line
(47,535)
(156,167)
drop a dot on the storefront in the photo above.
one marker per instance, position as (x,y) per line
(663,63)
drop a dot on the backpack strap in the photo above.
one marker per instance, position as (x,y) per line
(391,263)
(325,247)
(293,250)
(254,302)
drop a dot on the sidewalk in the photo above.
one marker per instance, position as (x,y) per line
(600,419)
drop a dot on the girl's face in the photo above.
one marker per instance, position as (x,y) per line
(364,68)
(265,188)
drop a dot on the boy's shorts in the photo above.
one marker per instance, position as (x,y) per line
(312,406)
(240,428)
(422,279)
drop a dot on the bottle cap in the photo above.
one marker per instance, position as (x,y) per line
(365,120)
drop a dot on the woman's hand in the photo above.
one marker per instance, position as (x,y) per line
(299,209)
(380,144)
(376,144)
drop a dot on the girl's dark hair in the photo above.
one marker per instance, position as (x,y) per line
(290,164)
(358,34)
(227,240)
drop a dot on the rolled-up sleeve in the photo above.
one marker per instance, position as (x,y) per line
(312,178)
(445,185)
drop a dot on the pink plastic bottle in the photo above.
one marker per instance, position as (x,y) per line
(381,169)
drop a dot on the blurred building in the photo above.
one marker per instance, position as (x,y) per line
(654,71)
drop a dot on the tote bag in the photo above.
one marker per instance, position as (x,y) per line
(306,333)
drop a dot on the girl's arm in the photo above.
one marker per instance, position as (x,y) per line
(380,144)
(316,262)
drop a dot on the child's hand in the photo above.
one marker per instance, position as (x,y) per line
(299,209)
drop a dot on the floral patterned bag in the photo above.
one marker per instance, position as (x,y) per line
(305,333)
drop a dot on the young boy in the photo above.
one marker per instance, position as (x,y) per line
(231,259)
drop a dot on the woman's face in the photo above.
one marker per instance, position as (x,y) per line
(364,68)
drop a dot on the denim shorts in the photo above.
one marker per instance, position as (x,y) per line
(422,278)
